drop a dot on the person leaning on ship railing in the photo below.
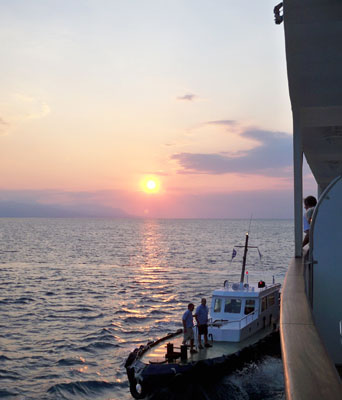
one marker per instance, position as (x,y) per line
(309,205)
(278,18)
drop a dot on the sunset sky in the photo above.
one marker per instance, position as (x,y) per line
(100,96)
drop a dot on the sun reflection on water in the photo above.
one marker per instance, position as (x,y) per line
(154,296)
(153,250)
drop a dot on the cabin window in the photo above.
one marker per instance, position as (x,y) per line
(249,306)
(232,306)
(217,305)
(271,300)
(263,304)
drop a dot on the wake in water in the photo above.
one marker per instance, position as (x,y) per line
(257,381)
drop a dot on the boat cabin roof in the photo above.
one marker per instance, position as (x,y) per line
(249,291)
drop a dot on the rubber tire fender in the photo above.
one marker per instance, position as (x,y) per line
(133,390)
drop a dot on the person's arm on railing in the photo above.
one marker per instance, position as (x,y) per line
(278,19)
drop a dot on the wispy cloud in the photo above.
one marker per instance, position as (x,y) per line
(3,126)
(223,122)
(29,107)
(270,157)
(17,108)
(158,173)
(187,97)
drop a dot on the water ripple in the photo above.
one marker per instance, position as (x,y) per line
(82,387)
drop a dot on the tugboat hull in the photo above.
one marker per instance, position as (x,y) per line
(146,376)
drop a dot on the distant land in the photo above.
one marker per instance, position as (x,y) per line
(12,209)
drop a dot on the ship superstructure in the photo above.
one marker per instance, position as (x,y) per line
(311,310)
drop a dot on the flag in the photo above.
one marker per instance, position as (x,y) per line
(260,255)
(233,254)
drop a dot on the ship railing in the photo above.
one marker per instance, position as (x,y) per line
(309,371)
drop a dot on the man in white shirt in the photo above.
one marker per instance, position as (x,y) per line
(188,324)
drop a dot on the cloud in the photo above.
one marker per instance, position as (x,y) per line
(187,97)
(157,173)
(223,122)
(18,108)
(4,126)
(28,107)
(272,156)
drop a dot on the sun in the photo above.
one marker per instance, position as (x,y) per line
(150,184)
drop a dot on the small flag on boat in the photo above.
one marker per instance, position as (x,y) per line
(234,253)
(260,255)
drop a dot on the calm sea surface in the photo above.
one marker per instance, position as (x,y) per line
(77,295)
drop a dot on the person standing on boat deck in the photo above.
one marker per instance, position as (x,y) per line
(188,324)
(309,205)
(201,316)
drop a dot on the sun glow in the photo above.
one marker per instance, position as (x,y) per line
(150,184)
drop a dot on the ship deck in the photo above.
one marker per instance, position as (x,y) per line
(309,372)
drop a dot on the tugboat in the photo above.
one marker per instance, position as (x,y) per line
(242,328)
(239,310)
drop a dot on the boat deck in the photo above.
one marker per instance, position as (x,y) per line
(156,355)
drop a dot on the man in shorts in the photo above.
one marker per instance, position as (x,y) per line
(188,324)
(201,316)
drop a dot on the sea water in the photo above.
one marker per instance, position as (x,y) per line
(77,295)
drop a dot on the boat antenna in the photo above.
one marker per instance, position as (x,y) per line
(242,278)
(244,259)
(250,223)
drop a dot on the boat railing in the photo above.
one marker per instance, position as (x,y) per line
(269,286)
(247,319)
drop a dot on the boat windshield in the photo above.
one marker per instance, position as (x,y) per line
(232,306)
(217,306)
(249,306)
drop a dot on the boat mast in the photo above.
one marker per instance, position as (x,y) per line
(244,260)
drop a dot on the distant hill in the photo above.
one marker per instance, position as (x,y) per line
(12,209)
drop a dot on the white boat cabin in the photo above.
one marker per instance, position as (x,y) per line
(239,310)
